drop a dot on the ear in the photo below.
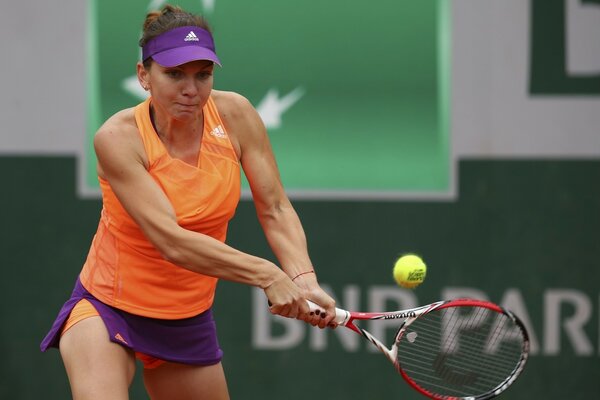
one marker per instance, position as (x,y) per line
(143,76)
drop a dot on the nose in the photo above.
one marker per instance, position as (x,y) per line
(190,87)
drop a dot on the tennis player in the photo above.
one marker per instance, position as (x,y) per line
(169,171)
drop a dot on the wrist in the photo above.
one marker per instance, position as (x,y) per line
(272,275)
(307,281)
(303,274)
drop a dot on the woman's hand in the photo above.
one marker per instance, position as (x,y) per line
(286,299)
(313,292)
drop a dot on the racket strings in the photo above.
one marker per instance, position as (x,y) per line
(432,333)
(461,373)
(421,352)
(470,357)
(460,351)
(421,365)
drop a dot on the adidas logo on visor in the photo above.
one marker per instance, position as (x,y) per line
(191,37)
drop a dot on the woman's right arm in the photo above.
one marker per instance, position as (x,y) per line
(121,161)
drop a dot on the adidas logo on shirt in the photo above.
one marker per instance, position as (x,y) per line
(218,132)
(191,37)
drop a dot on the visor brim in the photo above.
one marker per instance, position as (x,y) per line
(182,55)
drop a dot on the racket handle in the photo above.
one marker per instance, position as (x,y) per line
(341,316)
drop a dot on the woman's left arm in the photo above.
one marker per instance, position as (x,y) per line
(279,220)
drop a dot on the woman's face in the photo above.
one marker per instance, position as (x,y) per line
(180,91)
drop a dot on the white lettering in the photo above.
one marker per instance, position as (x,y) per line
(566,314)
(513,301)
(573,326)
(262,321)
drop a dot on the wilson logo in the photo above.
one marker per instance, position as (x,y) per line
(410,314)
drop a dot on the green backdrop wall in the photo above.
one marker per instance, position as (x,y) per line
(521,233)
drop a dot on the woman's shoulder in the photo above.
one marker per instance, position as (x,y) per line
(119,133)
(231,103)
(226,96)
(121,123)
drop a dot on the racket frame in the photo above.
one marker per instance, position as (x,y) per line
(346,318)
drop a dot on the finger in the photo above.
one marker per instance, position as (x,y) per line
(288,311)
(294,313)
(314,321)
(318,315)
(306,317)
(309,319)
(277,309)
(323,323)
(328,320)
(303,308)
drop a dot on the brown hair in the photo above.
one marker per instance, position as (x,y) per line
(170,17)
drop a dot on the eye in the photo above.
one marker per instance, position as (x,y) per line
(204,75)
(173,73)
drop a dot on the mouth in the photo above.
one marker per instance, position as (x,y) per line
(187,105)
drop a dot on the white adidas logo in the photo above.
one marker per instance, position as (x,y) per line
(218,132)
(191,37)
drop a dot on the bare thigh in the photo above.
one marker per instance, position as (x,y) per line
(97,368)
(173,381)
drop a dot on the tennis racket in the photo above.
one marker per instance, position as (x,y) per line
(456,349)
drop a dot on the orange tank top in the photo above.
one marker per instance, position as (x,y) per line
(123,269)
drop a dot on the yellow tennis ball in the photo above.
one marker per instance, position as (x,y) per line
(409,271)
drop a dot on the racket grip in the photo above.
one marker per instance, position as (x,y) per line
(341,316)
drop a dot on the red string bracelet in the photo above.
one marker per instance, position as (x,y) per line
(312,271)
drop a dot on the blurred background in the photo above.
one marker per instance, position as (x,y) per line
(463,130)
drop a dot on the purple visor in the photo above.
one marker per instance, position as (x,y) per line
(181,45)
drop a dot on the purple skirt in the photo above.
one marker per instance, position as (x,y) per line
(187,341)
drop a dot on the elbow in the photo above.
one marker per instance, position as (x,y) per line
(171,254)
(272,212)
(169,248)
